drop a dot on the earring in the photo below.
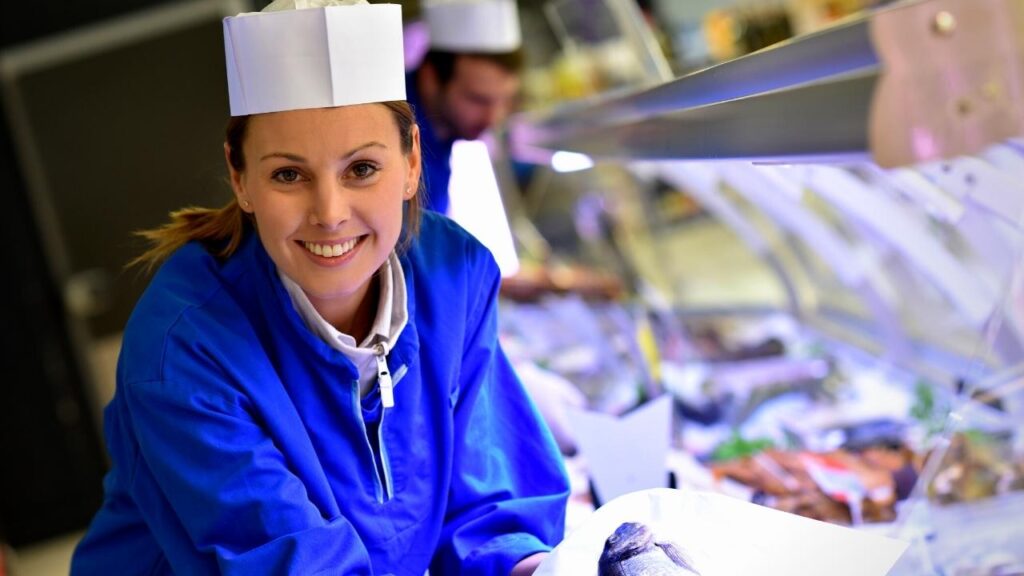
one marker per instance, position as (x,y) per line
(245,204)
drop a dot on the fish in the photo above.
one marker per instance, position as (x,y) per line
(632,550)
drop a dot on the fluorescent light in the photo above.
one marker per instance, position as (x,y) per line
(474,201)
(563,161)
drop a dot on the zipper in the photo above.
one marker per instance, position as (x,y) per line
(385,462)
(357,408)
(387,388)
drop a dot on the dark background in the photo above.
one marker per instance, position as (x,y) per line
(119,134)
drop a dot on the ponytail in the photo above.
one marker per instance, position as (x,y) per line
(220,229)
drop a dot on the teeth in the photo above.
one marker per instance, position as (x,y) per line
(331,250)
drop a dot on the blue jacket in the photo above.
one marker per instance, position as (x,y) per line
(240,444)
(436,154)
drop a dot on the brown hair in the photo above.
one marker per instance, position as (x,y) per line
(221,229)
(444,61)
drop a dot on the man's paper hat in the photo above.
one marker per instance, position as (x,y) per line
(320,54)
(488,26)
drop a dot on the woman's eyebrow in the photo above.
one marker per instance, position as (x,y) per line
(298,158)
(285,155)
(363,147)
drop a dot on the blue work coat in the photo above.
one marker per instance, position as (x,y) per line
(240,444)
(436,153)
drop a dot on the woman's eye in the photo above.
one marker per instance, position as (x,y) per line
(363,170)
(286,176)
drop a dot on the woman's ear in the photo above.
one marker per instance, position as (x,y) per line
(415,158)
(236,182)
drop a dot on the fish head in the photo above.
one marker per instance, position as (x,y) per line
(629,539)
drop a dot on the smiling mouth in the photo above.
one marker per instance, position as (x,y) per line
(331,250)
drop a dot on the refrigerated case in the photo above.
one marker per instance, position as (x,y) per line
(875,172)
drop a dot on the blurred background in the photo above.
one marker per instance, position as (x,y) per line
(815,320)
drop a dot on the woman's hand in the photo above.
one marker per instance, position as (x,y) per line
(527,565)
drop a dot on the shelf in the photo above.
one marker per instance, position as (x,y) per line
(819,120)
(842,49)
(913,82)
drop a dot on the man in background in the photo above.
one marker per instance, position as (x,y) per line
(467,82)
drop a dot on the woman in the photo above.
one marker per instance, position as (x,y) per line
(312,383)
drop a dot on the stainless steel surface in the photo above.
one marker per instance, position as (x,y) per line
(842,49)
(912,82)
(818,120)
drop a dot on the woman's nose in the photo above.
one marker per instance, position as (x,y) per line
(330,206)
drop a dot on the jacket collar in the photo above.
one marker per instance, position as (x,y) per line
(277,301)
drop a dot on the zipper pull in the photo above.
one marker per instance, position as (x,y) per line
(387,389)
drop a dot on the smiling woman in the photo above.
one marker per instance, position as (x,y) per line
(326,190)
(309,166)
(222,229)
(312,382)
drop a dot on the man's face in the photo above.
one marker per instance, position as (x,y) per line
(479,95)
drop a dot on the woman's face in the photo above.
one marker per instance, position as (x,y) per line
(326,188)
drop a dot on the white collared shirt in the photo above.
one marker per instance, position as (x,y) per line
(392,316)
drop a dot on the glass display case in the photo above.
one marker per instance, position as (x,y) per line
(869,180)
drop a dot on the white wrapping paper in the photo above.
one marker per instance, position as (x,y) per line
(724,536)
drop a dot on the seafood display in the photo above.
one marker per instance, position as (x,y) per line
(777,417)
(798,482)
(976,466)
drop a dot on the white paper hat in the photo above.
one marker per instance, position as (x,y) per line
(322,54)
(473,25)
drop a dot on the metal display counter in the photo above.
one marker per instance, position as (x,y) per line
(876,169)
